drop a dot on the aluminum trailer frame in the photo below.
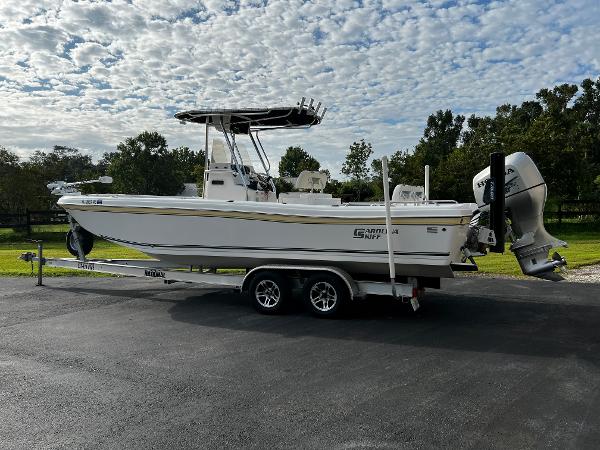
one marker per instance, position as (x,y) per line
(155,269)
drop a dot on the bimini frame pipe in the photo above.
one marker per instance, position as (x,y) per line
(264,159)
(234,157)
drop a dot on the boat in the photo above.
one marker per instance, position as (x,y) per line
(242,222)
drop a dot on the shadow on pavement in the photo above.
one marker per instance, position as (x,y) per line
(539,320)
(452,321)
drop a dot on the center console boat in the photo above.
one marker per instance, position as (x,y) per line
(242,222)
(332,250)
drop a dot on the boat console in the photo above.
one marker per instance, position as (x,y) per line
(226,181)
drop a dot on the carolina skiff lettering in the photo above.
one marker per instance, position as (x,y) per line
(371,233)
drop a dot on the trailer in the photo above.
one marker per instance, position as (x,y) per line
(325,289)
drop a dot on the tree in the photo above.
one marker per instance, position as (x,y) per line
(63,163)
(377,169)
(189,163)
(355,165)
(351,190)
(440,137)
(143,165)
(295,160)
(7,159)
(10,172)
(377,179)
(586,109)
(32,176)
(282,185)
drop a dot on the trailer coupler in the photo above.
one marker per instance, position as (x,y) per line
(31,257)
(27,256)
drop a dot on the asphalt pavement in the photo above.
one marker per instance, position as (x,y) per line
(132,363)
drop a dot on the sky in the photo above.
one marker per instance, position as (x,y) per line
(89,74)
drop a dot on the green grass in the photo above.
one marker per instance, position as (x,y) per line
(45,232)
(583,250)
(583,240)
(13,244)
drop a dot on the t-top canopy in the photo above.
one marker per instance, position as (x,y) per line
(244,120)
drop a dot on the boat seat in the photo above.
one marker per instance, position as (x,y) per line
(407,193)
(311,180)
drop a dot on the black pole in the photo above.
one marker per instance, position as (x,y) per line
(40,246)
(497,219)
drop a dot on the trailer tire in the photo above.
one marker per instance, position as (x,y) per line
(325,295)
(86,240)
(270,292)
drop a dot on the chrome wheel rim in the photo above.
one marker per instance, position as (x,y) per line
(323,296)
(267,294)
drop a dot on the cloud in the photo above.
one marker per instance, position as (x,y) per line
(89,53)
(31,38)
(89,74)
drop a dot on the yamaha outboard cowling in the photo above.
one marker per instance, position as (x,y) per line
(525,197)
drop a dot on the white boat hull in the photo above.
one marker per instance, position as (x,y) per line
(211,233)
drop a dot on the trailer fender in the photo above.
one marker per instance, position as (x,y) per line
(353,290)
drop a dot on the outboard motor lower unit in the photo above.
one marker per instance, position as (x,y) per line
(525,197)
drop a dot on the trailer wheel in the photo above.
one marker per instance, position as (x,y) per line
(270,292)
(325,295)
(86,240)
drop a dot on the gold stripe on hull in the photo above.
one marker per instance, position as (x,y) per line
(266,217)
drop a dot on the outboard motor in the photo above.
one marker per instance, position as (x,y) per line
(524,198)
